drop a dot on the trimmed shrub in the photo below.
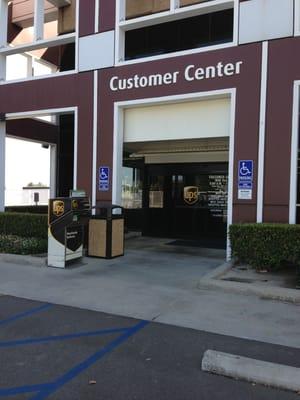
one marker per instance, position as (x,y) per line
(28,209)
(24,225)
(18,245)
(265,246)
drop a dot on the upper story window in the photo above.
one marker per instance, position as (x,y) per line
(38,36)
(184,34)
(139,8)
(154,28)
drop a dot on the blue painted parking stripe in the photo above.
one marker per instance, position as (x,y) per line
(79,368)
(23,342)
(25,314)
(23,389)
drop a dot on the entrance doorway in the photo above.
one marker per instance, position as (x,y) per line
(192,130)
(186,201)
(181,201)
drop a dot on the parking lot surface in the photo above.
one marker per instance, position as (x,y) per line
(63,353)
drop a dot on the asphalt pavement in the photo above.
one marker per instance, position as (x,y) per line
(64,353)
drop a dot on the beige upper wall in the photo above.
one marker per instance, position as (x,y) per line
(188,120)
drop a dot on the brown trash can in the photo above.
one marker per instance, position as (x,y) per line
(106,232)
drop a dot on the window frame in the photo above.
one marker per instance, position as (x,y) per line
(175,13)
(38,42)
(297,18)
(293,205)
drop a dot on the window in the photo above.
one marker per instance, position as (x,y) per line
(139,8)
(40,36)
(131,188)
(184,3)
(153,28)
(190,33)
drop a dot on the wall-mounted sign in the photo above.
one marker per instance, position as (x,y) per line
(245,180)
(77,193)
(190,73)
(104,173)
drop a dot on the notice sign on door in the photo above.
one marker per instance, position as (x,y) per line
(245,182)
(104,179)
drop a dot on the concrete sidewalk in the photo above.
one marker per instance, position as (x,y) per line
(158,285)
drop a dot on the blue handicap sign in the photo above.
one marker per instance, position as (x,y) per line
(104,173)
(245,174)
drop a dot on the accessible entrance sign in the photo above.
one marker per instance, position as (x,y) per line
(245,180)
(104,179)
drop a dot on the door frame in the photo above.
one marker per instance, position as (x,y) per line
(118,139)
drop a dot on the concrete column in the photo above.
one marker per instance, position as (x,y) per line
(2,165)
(3,22)
(3,36)
(53,152)
(38,20)
(2,68)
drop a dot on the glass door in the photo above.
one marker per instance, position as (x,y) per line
(157,202)
(132,193)
(199,203)
(186,201)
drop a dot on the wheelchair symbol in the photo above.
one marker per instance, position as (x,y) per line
(103,174)
(244,170)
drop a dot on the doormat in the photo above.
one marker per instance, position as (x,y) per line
(205,243)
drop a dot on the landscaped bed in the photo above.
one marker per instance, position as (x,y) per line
(267,248)
(19,245)
(23,233)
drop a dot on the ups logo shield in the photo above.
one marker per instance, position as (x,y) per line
(190,195)
(58,208)
(74,204)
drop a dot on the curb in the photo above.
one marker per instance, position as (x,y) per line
(255,371)
(210,281)
(218,272)
(23,260)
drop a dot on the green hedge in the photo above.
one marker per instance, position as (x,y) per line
(24,225)
(265,246)
(28,209)
(19,245)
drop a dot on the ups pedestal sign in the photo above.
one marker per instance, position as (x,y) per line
(65,233)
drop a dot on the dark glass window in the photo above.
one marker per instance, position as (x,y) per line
(185,34)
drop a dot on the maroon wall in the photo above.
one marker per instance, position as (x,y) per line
(107,11)
(87,17)
(107,14)
(59,92)
(33,129)
(247,105)
(284,68)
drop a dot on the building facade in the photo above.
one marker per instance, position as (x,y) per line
(186,112)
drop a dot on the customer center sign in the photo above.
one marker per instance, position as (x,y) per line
(190,73)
